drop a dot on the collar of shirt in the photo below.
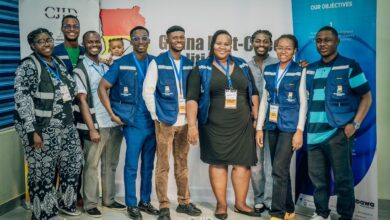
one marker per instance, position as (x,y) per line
(88,62)
(268,61)
(322,63)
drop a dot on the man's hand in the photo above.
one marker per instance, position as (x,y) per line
(259,138)
(303,63)
(38,142)
(116,119)
(94,136)
(349,130)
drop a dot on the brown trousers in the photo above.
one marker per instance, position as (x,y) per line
(172,139)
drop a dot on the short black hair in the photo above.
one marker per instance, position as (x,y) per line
(287,36)
(331,29)
(89,32)
(214,39)
(138,28)
(116,39)
(266,32)
(174,28)
(69,16)
(33,34)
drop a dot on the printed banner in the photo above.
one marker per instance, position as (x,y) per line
(355,20)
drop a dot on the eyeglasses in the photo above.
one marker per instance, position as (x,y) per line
(286,49)
(69,27)
(138,39)
(43,42)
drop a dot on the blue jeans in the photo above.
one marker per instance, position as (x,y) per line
(139,142)
(335,154)
(280,144)
(261,176)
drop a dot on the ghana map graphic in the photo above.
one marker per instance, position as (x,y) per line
(117,23)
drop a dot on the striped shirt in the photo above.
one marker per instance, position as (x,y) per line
(319,129)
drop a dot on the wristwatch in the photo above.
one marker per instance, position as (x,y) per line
(356,125)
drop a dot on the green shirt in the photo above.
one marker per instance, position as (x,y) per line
(73,54)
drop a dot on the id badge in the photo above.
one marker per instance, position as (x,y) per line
(273,113)
(65,93)
(230,99)
(182,106)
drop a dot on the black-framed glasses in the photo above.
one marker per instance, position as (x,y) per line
(69,27)
(43,42)
(138,39)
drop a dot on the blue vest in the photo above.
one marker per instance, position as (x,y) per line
(166,94)
(287,97)
(340,102)
(125,105)
(205,67)
(61,52)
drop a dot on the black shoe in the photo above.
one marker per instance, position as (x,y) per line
(148,208)
(116,206)
(252,213)
(189,209)
(260,208)
(221,216)
(134,213)
(94,212)
(164,214)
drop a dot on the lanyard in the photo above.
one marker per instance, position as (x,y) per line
(226,70)
(141,70)
(278,79)
(53,73)
(179,74)
(97,70)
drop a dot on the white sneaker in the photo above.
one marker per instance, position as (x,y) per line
(319,217)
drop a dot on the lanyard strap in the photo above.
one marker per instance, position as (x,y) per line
(279,79)
(142,71)
(101,73)
(53,73)
(178,73)
(226,70)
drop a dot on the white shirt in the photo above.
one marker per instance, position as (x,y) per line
(149,87)
(95,75)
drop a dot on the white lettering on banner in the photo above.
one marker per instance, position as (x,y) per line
(331,5)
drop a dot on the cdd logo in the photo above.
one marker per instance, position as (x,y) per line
(365,203)
(58,12)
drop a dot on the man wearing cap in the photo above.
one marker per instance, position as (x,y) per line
(164,92)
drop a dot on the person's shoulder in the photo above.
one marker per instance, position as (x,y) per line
(270,67)
(59,47)
(188,60)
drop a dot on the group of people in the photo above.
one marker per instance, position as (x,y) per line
(73,109)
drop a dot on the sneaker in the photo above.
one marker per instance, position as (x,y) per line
(260,208)
(94,212)
(148,208)
(69,212)
(319,217)
(164,214)
(189,209)
(134,213)
(289,216)
(116,206)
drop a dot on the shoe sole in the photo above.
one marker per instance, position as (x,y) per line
(70,213)
(147,212)
(115,209)
(93,216)
(190,214)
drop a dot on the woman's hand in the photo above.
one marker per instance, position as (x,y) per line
(193,134)
(297,140)
(38,142)
(259,138)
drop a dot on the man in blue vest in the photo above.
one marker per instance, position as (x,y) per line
(102,137)
(70,52)
(126,107)
(164,94)
(339,99)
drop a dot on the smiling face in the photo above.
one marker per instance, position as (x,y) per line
(43,45)
(262,44)
(71,29)
(222,46)
(92,44)
(285,50)
(176,41)
(326,43)
(117,47)
(140,41)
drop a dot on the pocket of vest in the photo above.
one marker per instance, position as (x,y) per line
(290,96)
(127,86)
(339,88)
(340,106)
(167,88)
(289,116)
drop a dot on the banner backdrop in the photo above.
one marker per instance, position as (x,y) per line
(355,20)
(49,13)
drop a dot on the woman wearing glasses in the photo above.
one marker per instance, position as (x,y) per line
(222,95)
(282,115)
(44,92)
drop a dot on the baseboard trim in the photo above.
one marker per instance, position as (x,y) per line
(12,204)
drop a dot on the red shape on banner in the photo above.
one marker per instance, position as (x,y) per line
(119,22)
